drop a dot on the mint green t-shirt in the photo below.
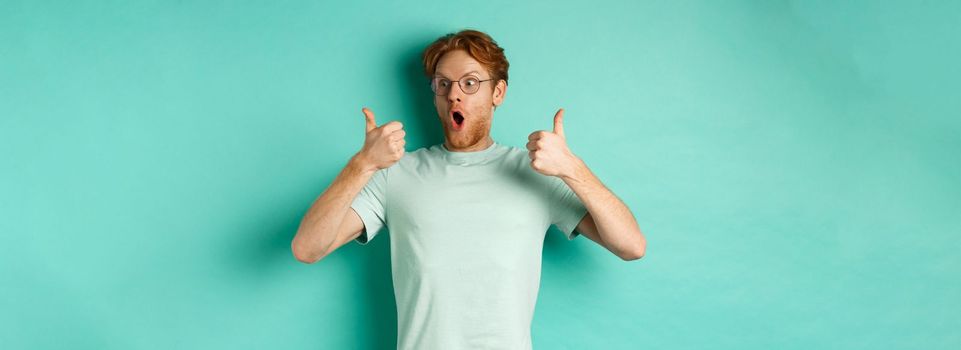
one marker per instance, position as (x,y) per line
(466,234)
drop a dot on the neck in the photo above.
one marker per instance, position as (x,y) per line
(480,146)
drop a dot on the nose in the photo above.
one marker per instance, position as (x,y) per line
(455,94)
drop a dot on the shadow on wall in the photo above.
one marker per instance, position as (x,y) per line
(417,98)
(260,256)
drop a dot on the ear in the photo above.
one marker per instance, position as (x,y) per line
(500,90)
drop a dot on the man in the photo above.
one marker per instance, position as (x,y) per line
(467,218)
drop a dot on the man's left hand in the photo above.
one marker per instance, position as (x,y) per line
(548,150)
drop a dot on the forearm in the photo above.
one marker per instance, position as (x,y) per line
(615,223)
(319,227)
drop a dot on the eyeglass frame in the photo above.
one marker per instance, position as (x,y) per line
(431,83)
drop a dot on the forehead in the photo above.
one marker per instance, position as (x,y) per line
(458,63)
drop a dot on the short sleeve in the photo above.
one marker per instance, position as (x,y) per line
(370,205)
(567,210)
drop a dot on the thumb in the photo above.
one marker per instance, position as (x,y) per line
(371,124)
(559,122)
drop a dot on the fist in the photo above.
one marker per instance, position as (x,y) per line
(383,145)
(548,150)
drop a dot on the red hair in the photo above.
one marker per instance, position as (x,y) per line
(478,45)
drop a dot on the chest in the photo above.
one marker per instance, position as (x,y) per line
(463,201)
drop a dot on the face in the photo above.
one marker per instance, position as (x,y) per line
(466,118)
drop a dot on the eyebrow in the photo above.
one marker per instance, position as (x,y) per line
(465,74)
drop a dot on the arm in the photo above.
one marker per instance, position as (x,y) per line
(608,221)
(324,228)
(328,223)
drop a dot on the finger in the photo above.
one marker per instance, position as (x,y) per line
(534,136)
(369,115)
(559,122)
(393,126)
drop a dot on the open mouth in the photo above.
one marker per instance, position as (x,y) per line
(458,119)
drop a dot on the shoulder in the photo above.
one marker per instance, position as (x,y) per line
(519,160)
(515,151)
(418,155)
(412,160)
(517,156)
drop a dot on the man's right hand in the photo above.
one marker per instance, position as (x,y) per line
(383,145)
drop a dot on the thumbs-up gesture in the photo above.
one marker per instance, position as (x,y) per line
(383,145)
(548,150)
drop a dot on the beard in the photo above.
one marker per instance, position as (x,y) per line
(465,139)
(473,133)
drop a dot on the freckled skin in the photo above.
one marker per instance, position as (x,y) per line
(478,108)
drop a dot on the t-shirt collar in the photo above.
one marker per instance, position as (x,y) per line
(468,157)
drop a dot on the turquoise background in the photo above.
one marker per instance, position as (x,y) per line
(794,165)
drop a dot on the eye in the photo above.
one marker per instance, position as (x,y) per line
(471,81)
(443,83)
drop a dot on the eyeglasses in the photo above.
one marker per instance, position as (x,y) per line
(469,85)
